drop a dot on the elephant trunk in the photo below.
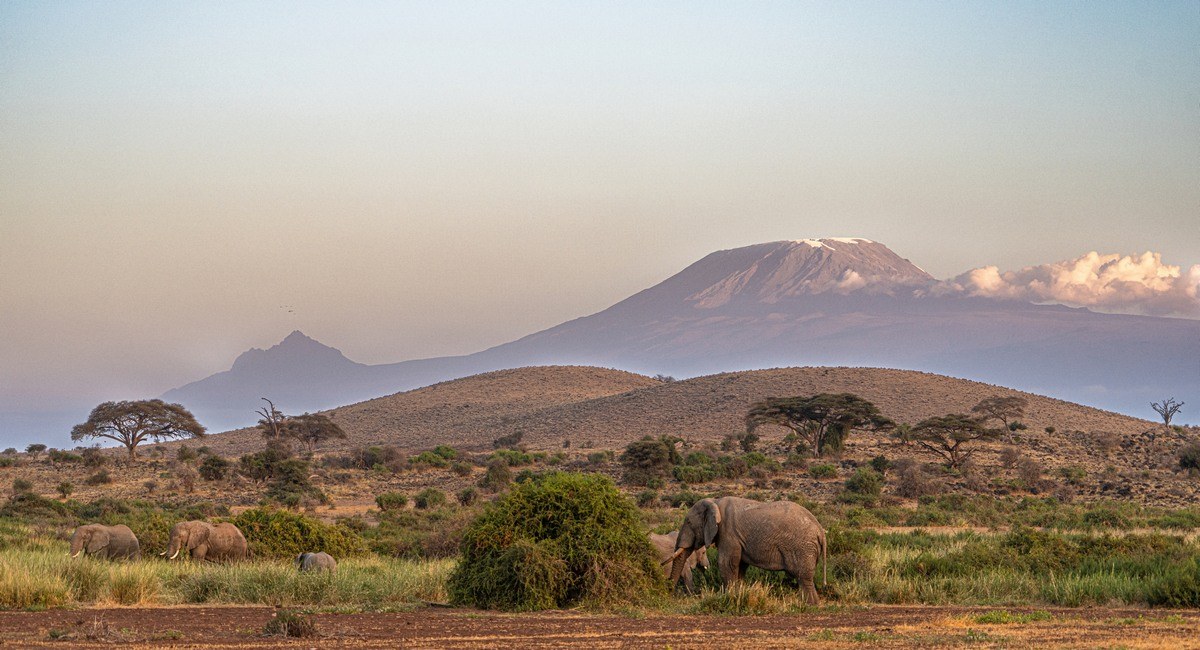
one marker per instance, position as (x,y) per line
(77,544)
(677,566)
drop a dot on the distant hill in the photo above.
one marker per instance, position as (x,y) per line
(835,302)
(612,408)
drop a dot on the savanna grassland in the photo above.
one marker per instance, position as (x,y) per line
(1077,508)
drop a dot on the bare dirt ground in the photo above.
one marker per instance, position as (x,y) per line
(853,627)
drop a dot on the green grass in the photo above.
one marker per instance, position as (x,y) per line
(41,576)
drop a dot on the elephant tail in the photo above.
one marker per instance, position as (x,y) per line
(824,561)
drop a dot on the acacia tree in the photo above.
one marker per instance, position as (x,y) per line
(132,423)
(1166,409)
(1001,408)
(312,429)
(271,423)
(949,436)
(824,420)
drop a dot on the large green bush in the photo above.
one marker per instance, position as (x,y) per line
(558,540)
(281,533)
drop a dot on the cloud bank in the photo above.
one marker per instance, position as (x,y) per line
(1117,283)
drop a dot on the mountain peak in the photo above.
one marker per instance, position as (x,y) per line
(775,271)
(296,349)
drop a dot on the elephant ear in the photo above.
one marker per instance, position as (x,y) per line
(98,541)
(712,521)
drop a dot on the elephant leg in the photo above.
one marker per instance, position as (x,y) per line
(804,569)
(729,563)
(688,585)
(200,552)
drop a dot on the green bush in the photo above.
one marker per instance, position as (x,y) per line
(865,481)
(389,501)
(214,468)
(512,457)
(429,498)
(21,485)
(429,458)
(822,471)
(498,476)
(283,534)
(468,496)
(1189,456)
(554,542)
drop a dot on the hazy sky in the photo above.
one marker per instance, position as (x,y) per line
(181,181)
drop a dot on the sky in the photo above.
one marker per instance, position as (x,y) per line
(182,181)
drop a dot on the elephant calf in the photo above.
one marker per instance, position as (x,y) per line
(316,562)
(665,545)
(111,542)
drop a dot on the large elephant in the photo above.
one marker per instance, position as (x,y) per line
(316,562)
(779,535)
(112,542)
(204,541)
(665,545)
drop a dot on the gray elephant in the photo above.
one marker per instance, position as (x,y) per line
(112,542)
(204,541)
(776,536)
(665,545)
(316,562)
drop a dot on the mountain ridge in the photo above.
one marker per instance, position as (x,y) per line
(833,301)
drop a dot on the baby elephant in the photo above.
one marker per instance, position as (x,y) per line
(316,562)
(665,545)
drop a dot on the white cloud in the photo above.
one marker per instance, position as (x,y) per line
(1120,283)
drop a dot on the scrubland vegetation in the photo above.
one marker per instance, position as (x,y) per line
(517,528)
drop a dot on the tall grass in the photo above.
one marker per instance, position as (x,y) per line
(42,575)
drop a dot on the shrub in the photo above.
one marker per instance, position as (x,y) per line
(461,468)
(56,456)
(446,451)
(65,489)
(599,457)
(647,498)
(911,480)
(865,481)
(93,457)
(35,449)
(429,498)
(468,496)
(99,478)
(498,476)
(186,454)
(429,459)
(389,501)
(512,457)
(509,441)
(648,459)
(8,461)
(1189,456)
(283,534)
(290,624)
(291,482)
(822,471)
(554,542)
(20,486)
(214,468)
(881,464)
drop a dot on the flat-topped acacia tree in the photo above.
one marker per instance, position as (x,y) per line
(822,420)
(132,423)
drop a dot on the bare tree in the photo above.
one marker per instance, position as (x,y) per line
(1167,409)
(271,423)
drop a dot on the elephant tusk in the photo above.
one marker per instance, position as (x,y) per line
(173,556)
(676,554)
(75,555)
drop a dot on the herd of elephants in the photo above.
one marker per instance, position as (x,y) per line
(776,536)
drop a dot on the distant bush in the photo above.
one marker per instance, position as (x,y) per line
(389,501)
(648,459)
(57,456)
(21,485)
(186,454)
(93,457)
(561,540)
(283,534)
(214,468)
(462,468)
(291,484)
(430,459)
(822,471)
(497,477)
(865,481)
(65,489)
(99,478)
(509,441)
(513,457)
(1189,456)
(429,498)
(468,496)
